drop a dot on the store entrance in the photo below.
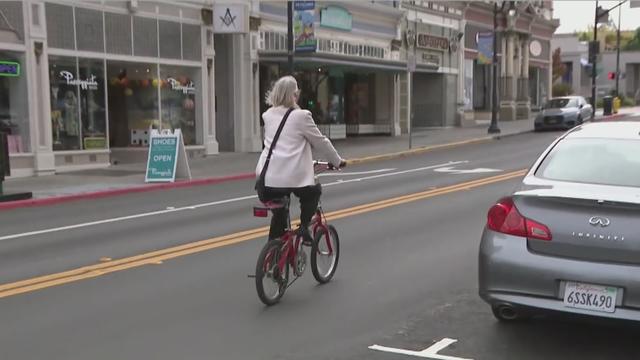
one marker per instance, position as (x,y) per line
(225,128)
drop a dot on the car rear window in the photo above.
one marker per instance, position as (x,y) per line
(594,161)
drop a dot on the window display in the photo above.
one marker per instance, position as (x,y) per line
(179,93)
(65,107)
(14,115)
(92,106)
(133,102)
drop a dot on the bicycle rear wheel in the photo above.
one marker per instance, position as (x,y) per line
(270,281)
(325,252)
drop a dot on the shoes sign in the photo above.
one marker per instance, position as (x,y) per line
(167,157)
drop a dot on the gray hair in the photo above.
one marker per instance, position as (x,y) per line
(283,92)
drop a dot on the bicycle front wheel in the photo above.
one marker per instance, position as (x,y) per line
(271,282)
(325,252)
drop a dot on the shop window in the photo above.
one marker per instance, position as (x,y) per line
(14,116)
(133,102)
(89,30)
(65,104)
(170,35)
(118,33)
(11,22)
(191,43)
(179,93)
(60,31)
(92,104)
(145,37)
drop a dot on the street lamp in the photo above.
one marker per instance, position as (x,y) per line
(493,128)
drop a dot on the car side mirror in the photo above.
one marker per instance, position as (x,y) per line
(581,106)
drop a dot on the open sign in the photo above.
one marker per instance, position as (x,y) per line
(9,68)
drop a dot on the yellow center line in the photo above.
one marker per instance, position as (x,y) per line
(158,256)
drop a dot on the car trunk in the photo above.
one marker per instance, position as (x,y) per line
(594,229)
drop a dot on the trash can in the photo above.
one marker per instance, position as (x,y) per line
(616,104)
(607,105)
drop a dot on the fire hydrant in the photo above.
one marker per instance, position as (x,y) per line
(616,104)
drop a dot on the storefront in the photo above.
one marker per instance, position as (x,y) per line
(82,83)
(349,81)
(523,35)
(435,49)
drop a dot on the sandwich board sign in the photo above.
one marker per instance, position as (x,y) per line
(167,157)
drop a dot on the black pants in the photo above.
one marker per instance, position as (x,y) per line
(309,198)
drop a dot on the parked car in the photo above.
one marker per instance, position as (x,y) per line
(568,238)
(563,113)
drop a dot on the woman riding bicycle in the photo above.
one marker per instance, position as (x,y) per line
(290,168)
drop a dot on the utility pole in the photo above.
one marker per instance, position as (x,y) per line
(290,36)
(594,61)
(618,53)
(493,128)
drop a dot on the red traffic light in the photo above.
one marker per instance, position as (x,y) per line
(611,75)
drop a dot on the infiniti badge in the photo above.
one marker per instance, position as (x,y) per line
(599,220)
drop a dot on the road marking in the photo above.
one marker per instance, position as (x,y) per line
(343,173)
(398,172)
(154,257)
(430,353)
(451,170)
(172,209)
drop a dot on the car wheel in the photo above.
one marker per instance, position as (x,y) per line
(508,313)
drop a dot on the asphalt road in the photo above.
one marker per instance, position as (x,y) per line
(407,276)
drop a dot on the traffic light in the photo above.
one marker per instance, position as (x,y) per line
(611,75)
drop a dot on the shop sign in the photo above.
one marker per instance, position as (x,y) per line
(485,47)
(9,68)
(177,86)
(230,18)
(90,83)
(431,59)
(336,17)
(98,142)
(426,41)
(167,158)
(303,23)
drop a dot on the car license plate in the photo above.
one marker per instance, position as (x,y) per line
(552,121)
(590,297)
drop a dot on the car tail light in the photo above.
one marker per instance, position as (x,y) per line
(504,217)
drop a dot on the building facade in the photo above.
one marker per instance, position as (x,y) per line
(93,77)
(575,56)
(524,35)
(81,83)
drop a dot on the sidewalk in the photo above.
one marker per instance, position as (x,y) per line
(633,110)
(119,179)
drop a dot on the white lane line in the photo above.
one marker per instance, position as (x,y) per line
(123,218)
(398,172)
(172,209)
(342,173)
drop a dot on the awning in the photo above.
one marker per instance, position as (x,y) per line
(320,59)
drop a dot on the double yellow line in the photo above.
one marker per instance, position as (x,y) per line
(157,257)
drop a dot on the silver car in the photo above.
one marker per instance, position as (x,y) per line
(563,113)
(568,239)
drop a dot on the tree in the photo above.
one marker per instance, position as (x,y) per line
(634,43)
(559,68)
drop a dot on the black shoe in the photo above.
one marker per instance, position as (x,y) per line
(306,236)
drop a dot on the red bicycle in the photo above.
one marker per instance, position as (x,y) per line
(280,255)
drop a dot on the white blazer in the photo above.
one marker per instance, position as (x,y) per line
(291,164)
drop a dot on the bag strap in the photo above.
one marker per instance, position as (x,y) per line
(273,143)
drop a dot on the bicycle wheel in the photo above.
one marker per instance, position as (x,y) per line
(325,252)
(270,281)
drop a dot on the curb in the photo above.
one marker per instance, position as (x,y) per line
(609,117)
(114,192)
(215,180)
